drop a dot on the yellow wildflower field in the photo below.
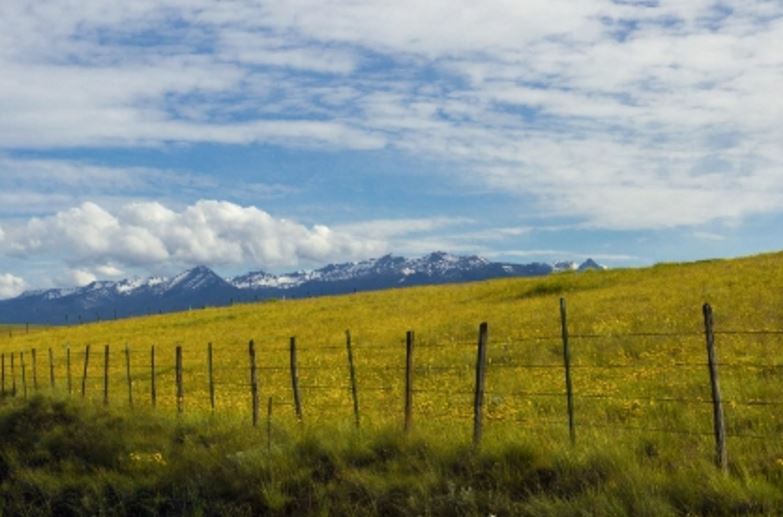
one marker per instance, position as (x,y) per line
(637,346)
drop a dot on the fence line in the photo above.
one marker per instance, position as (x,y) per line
(404,374)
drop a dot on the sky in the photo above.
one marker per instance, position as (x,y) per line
(143,137)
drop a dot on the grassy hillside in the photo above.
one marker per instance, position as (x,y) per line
(525,353)
(640,379)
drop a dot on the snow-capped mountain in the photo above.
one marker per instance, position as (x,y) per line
(201,286)
(438,265)
(565,266)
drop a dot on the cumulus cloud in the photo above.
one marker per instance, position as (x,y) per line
(11,285)
(149,234)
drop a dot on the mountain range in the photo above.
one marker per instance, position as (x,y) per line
(201,287)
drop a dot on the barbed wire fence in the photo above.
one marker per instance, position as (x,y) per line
(23,373)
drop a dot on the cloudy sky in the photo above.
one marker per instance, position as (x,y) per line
(147,136)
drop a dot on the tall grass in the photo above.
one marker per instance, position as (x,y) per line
(60,458)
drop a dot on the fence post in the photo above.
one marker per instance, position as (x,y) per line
(295,380)
(68,368)
(408,380)
(269,426)
(478,401)
(128,376)
(2,376)
(34,366)
(352,371)
(13,376)
(251,349)
(211,377)
(84,374)
(24,375)
(180,390)
(567,363)
(106,375)
(51,368)
(719,424)
(153,387)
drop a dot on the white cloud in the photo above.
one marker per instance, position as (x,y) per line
(605,111)
(11,285)
(79,277)
(96,240)
(108,270)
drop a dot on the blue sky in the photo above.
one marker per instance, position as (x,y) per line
(143,137)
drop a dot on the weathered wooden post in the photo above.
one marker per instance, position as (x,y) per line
(106,375)
(13,376)
(295,379)
(269,426)
(51,368)
(153,387)
(180,388)
(719,424)
(478,400)
(2,376)
(128,376)
(567,364)
(68,369)
(251,348)
(352,372)
(211,377)
(24,375)
(408,380)
(34,367)
(84,374)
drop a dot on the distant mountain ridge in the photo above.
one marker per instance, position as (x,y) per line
(201,286)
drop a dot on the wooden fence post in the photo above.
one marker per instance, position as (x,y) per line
(180,388)
(352,372)
(2,376)
(106,375)
(567,363)
(251,349)
(210,371)
(13,376)
(295,380)
(269,426)
(719,424)
(128,376)
(68,369)
(408,380)
(84,374)
(478,401)
(153,387)
(51,368)
(34,367)
(24,375)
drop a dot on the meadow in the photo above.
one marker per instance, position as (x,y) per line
(641,384)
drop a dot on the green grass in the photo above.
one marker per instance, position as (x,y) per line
(67,459)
